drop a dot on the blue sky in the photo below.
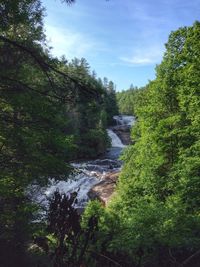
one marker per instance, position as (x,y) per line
(122,40)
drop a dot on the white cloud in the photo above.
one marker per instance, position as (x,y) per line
(137,60)
(68,43)
(144,56)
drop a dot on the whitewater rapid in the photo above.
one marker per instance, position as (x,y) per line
(87,173)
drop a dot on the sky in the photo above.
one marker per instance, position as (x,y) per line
(122,40)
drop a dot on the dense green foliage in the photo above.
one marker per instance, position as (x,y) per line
(51,112)
(111,106)
(87,112)
(69,240)
(129,100)
(157,201)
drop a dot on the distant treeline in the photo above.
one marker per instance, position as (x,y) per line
(129,100)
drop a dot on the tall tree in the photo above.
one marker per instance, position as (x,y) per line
(110,100)
(158,193)
(34,144)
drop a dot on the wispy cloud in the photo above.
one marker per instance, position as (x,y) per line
(144,56)
(69,43)
(138,60)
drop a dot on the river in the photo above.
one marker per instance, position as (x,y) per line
(88,173)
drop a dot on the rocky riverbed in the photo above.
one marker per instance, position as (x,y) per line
(120,136)
(95,179)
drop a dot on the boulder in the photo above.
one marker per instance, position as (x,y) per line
(104,189)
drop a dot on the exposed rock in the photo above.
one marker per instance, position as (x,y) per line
(123,131)
(104,189)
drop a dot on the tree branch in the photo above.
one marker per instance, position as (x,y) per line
(46,67)
(188,260)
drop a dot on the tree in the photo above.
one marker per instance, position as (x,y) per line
(32,138)
(35,141)
(22,20)
(157,202)
(111,107)
(129,100)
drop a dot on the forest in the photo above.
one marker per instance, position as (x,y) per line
(54,112)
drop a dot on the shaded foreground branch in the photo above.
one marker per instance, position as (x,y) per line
(45,67)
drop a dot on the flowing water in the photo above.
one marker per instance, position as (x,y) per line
(115,140)
(88,173)
(124,120)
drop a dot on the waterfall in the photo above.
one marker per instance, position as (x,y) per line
(115,141)
(89,173)
(124,120)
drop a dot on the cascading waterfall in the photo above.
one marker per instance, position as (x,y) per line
(125,120)
(115,140)
(89,173)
